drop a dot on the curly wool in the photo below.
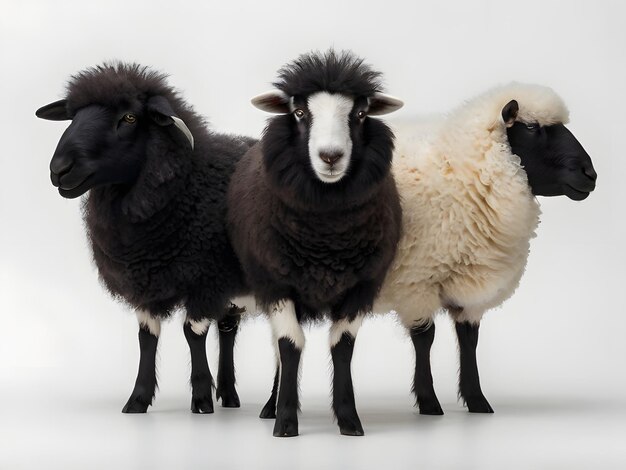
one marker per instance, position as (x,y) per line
(117,85)
(311,256)
(325,246)
(334,72)
(468,210)
(161,243)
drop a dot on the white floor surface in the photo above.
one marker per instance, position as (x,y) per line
(73,426)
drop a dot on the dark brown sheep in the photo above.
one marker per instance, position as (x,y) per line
(314,216)
(156,178)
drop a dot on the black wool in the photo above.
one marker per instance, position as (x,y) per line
(326,246)
(334,72)
(158,239)
(155,213)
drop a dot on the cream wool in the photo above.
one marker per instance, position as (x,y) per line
(468,211)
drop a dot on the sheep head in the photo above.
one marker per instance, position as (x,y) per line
(555,162)
(322,136)
(328,122)
(113,127)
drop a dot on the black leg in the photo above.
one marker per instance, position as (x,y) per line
(426,399)
(286,424)
(469,382)
(344,406)
(146,383)
(226,370)
(269,410)
(201,380)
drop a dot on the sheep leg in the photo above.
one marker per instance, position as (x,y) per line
(228,328)
(342,336)
(269,410)
(426,399)
(469,382)
(290,339)
(201,379)
(146,383)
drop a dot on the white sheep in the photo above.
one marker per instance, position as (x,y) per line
(469,212)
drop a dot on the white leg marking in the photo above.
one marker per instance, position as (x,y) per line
(330,133)
(337,329)
(285,323)
(248,302)
(153,324)
(199,327)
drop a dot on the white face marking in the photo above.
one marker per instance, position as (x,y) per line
(285,323)
(330,134)
(337,329)
(199,327)
(145,319)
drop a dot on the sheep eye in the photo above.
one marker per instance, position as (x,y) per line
(532,127)
(299,113)
(361,114)
(130,118)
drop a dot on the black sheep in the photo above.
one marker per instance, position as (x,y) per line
(155,213)
(314,216)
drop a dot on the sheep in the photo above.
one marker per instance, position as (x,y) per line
(467,192)
(155,213)
(314,216)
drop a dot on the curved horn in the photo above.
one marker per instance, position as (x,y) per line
(162,113)
(184,129)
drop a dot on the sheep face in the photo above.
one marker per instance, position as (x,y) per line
(326,138)
(555,162)
(106,146)
(330,118)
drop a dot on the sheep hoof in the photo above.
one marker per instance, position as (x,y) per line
(430,407)
(202,405)
(268,411)
(478,404)
(285,427)
(351,431)
(229,399)
(136,404)
(350,426)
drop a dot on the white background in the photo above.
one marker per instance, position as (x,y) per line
(551,360)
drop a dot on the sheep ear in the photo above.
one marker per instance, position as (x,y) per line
(509,113)
(380,104)
(273,101)
(161,112)
(54,111)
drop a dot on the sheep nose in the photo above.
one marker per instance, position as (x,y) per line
(590,172)
(61,164)
(331,157)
